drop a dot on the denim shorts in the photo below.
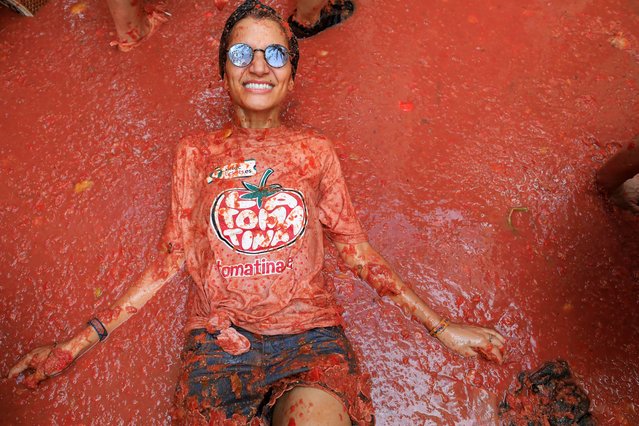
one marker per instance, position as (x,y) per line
(218,388)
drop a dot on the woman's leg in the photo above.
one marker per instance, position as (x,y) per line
(308,11)
(307,406)
(314,16)
(130,19)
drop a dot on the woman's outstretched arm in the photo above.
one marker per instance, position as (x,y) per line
(49,360)
(466,340)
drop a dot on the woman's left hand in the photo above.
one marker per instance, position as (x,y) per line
(469,340)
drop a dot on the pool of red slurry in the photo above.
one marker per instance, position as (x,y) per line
(446,114)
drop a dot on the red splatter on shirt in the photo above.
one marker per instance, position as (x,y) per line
(253,239)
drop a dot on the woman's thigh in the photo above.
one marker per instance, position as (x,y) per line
(310,406)
(319,368)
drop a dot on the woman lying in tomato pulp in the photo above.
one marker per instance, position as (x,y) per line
(250,206)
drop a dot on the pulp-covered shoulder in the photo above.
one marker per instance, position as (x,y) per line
(314,141)
(195,141)
(197,146)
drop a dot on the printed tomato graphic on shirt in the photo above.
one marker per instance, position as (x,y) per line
(259,219)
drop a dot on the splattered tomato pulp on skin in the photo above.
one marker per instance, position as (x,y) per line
(259,219)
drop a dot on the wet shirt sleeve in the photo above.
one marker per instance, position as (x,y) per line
(336,212)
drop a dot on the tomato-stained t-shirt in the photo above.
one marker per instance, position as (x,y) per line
(249,211)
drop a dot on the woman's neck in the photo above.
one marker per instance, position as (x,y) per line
(259,120)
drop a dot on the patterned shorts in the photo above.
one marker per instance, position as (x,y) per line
(222,389)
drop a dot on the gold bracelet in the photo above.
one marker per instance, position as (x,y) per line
(440,327)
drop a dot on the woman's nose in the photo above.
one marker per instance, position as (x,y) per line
(259,65)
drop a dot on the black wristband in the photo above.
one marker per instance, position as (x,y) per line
(99,328)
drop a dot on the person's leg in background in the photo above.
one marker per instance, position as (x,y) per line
(314,16)
(133,22)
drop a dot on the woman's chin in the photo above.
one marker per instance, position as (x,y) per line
(260,108)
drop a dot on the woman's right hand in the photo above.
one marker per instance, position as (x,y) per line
(42,363)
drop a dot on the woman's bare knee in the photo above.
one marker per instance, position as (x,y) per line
(306,406)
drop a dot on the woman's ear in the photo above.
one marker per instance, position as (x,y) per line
(291,85)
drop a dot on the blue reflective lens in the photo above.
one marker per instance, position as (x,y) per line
(276,55)
(241,55)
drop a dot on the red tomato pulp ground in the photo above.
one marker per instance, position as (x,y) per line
(446,115)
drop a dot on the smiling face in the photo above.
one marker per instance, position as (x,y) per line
(258,90)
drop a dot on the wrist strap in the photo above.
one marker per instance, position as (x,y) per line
(99,328)
(440,327)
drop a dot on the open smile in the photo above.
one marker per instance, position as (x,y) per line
(258,87)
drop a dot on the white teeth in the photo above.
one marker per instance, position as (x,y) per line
(258,86)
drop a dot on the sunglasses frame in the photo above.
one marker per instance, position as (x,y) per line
(274,45)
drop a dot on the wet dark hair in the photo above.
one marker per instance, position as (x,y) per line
(257,10)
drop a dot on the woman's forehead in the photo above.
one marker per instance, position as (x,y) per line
(250,30)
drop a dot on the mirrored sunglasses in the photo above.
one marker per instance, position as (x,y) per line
(241,55)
